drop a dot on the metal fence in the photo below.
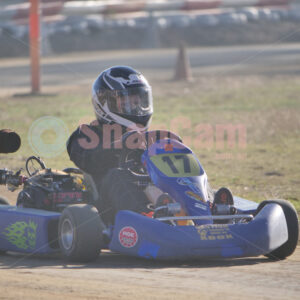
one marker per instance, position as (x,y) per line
(19,11)
(154,28)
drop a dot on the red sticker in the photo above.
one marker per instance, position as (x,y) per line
(128,237)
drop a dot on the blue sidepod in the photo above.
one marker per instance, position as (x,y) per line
(28,230)
(138,235)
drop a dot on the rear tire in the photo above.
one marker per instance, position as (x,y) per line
(291,217)
(80,233)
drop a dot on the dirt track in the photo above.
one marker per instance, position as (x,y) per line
(114,276)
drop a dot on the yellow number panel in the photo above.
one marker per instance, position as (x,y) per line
(177,164)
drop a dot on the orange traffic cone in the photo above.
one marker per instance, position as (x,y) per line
(183,68)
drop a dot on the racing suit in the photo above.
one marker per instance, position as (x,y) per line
(118,188)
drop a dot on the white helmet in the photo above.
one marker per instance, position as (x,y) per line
(122,95)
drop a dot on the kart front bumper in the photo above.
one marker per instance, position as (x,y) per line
(137,235)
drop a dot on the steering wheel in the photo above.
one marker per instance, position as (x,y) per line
(130,157)
(34,165)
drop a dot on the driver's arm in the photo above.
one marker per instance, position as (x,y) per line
(87,153)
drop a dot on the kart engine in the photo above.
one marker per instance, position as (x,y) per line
(52,190)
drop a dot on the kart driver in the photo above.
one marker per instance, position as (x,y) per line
(122,100)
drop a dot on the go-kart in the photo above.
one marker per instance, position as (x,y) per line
(190,222)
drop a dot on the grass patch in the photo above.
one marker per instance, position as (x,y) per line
(259,160)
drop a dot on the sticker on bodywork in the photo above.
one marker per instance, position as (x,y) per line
(194,196)
(148,250)
(128,237)
(214,232)
(188,182)
(21,234)
(201,206)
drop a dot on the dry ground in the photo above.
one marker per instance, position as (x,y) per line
(118,277)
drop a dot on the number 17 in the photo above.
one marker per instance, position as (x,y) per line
(186,163)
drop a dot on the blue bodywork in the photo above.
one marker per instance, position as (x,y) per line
(28,230)
(155,239)
(150,238)
(189,191)
(173,168)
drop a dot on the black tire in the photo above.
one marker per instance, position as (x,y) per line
(80,233)
(291,217)
(3,201)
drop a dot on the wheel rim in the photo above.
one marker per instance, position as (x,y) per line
(67,234)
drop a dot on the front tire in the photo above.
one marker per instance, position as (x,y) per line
(80,233)
(291,217)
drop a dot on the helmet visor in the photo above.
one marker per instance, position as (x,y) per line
(135,101)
